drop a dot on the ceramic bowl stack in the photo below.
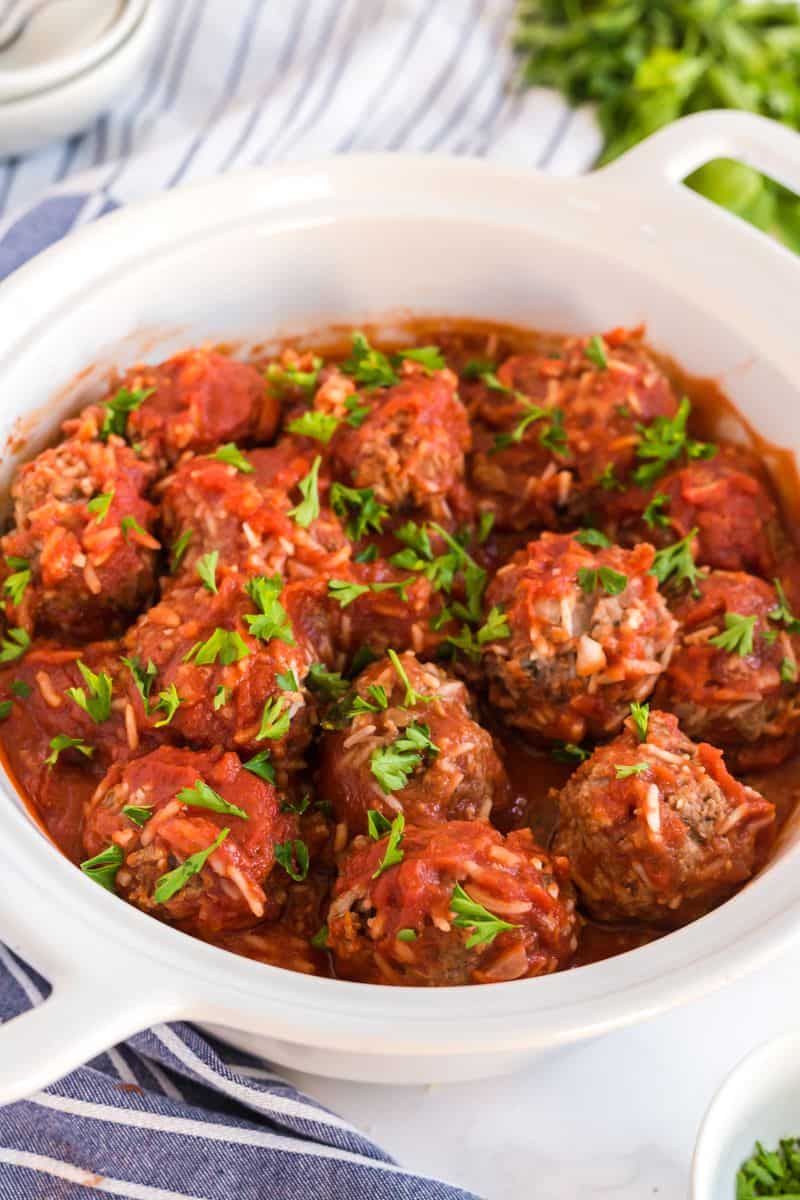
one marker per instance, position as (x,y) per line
(63,62)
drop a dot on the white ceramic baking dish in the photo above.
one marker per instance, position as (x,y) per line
(297,247)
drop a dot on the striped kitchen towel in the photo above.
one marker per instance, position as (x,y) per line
(171,1115)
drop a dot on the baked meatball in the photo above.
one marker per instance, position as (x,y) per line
(161,811)
(196,400)
(80,560)
(410,446)
(588,632)
(723,499)
(733,676)
(410,745)
(239,681)
(552,432)
(415,923)
(247,518)
(656,830)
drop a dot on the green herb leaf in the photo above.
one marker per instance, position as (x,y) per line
(592,537)
(128,524)
(206,567)
(375,700)
(115,418)
(320,939)
(654,514)
(293,857)
(663,441)
(377,824)
(273,619)
(608,480)
(143,678)
(283,379)
(640,715)
(394,853)
(5,710)
(782,613)
(275,719)
(675,564)
(15,585)
(299,808)
(308,508)
(100,505)
(788,670)
(357,413)
(14,646)
(368,366)
(596,352)
(329,684)
(737,637)
(612,582)
(21,689)
(174,881)
(200,795)
(97,704)
(359,508)
(62,742)
(625,772)
(260,765)
(407,935)
(430,357)
(394,764)
(224,644)
(317,425)
(103,867)
(368,554)
(168,702)
(345,592)
(231,455)
(179,548)
(485,926)
(411,697)
(568,752)
(485,525)
(288,681)
(494,628)
(138,813)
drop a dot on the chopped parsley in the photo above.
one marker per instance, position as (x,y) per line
(206,567)
(140,814)
(429,357)
(394,765)
(97,703)
(224,644)
(130,523)
(768,1173)
(179,548)
(293,857)
(782,613)
(359,508)
(282,378)
(608,479)
(356,413)
(331,685)
(100,505)
(143,678)
(231,455)
(15,585)
(476,368)
(345,592)
(320,939)
(377,825)
(275,719)
(394,853)
(5,710)
(21,689)
(485,926)
(485,525)
(663,441)
(375,701)
(675,564)
(368,554)
(272,620)
(200,795)
(118,408)
(308,509)
(655,513)
(14,646)
(640,715)
(174,881)
(596,352)
(569,752)
(103,867)
(368,366)
(532,414)
(592,537)
(288,681)
(493,629)
(317,425)
(626,771)
(299,808)
(411,697)
(63,742)
(168,703)
(260,765)
(788,670)
(407,935)
(737,637)
(613,582)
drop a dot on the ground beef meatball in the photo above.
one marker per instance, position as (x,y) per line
(157,810)
(410,446)
(733,676)
(581,413)
(414,923)
(656,830)
(80,560)
(247,518)
(722,498)
(196,400)
(236,687)
(588,633)
(453,773)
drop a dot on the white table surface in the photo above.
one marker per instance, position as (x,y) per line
(613,1119)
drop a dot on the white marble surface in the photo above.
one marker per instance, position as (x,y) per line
(613,1119)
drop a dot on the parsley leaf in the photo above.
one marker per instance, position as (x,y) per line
(532,414)
(231,455)
(613,582)
(592,537)
(143,678)
(485,926)
(168,702)
(14,646)
(329,684)
(737,637)
(273,619)
(773,1173)
(318,425)
(596,352)
(140,814)
(411,697)
(98,702)
(288,681)
(345,592)
(788,670)
(394,853)
(103,867)
(640,715)
(320,939)
(200,795)
(174,881)
(293,857)
(63,742)
(224,644)
(626,771)
(100,505)
(394,764)
(308,509)
(260,765)
(206,567)
(283,379)
(275,719)
(608,480)
(179,548)
(361,507)
(782,613)
(430,357)
(130,523)
(568,752)
(375,700)
(377,825)
(115,418)
(655,512)
(21,689)
(368,366)
(15,584)
(407,935)
(675,564)
(663,441)
(485,524)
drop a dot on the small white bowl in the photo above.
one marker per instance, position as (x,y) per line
(33,121)
(759,1101)
(62,41)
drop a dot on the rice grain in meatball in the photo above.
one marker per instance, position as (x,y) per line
(588,633)
(399,926)
(657,830)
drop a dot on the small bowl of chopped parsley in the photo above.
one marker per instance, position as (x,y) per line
(749,1141)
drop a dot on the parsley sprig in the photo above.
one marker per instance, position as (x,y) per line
(737,637)
(200,795)
(103,867)
(675,564)
(174,881)
(224,644)
(393,765)
(272,621)
(612,582)
(485,925)
(774,1173)
(97,702)
(231,455)
(293,857)
(394,852)
(359,508)
(118,408)
(308,509)
(663,441)
(14,645)
(15,584)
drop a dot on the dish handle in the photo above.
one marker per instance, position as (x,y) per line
(93,1003)
(672,153)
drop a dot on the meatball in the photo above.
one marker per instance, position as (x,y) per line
(208,506)
(656,830)
(80,560)
(431,919)
(410,446)
(413,719)
(234,681)
(195,401)
(158,810)
(723,499)
(733,676)
(552,432)
(588,632)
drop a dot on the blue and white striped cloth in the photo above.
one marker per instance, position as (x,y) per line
(236,83)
